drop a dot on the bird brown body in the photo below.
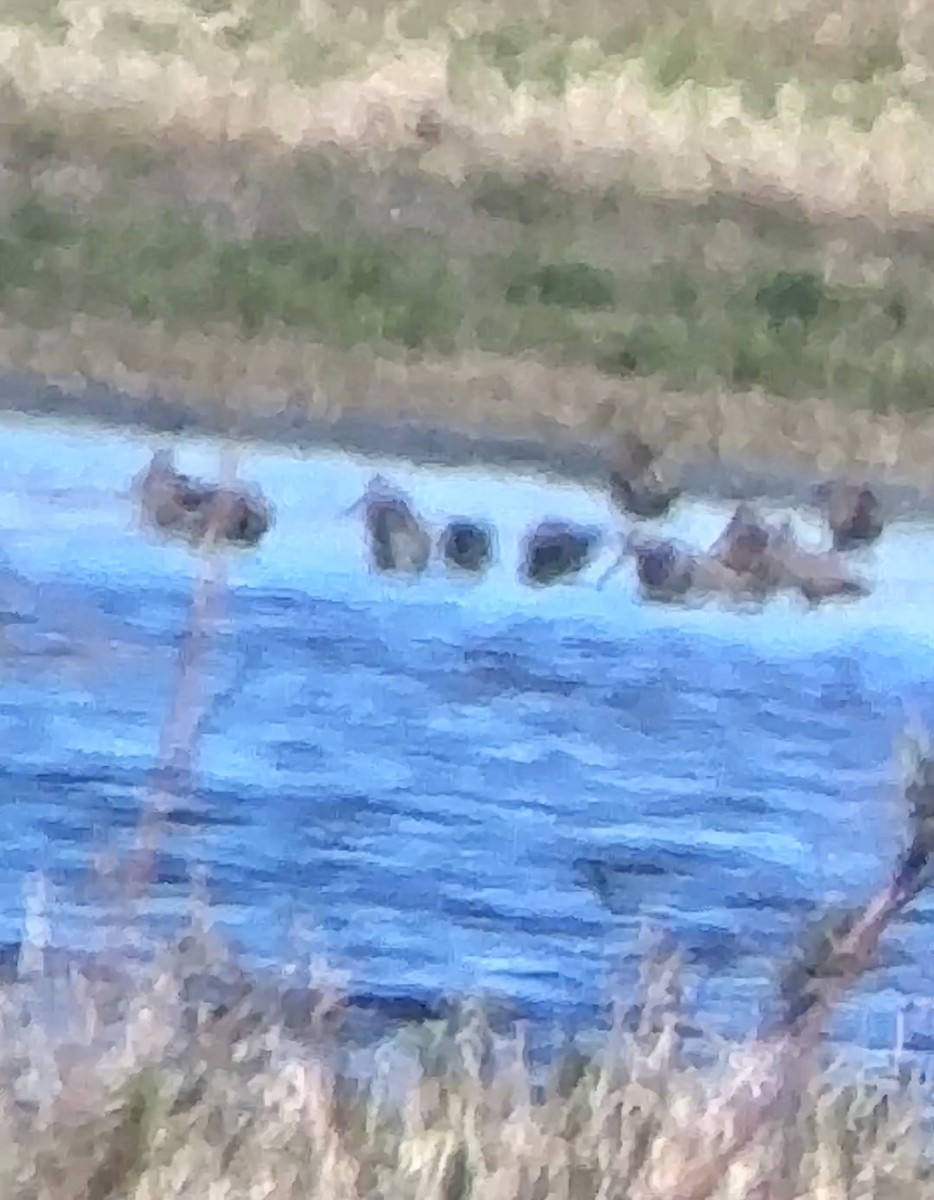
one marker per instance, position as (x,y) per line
(396,538)
(749,561)
(852,511)
(556,550)
(186,508)
(636,487)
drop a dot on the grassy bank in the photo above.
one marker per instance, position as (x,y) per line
(505,302)
(677,213)
(406,264)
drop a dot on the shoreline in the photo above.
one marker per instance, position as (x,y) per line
(554,451)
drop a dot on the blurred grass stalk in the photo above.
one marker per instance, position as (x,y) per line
(189,702)
(124,883)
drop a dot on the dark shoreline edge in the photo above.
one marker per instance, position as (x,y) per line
(555,453)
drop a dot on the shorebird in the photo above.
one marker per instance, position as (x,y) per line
(664,569)
(187,508)
(397,539)
(556,550)
(744,547)
(636,488)
(468,546)
(853,512)
(772,560)
(817,575)
(748,561)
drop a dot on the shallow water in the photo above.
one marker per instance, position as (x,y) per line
(456,785)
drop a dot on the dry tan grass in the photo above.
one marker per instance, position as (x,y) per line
(118,1082)
(267,380)
(418,87)
(232,70)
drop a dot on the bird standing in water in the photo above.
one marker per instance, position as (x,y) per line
(637,491)
(556,550)
(397,539)
(186,508)
(636,488)
(467,546)
(852,511)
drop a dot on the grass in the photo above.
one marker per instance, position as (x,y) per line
(690,296)
(715,198)
(827,103)
(164,1103)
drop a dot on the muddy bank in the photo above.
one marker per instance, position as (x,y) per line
(554,449)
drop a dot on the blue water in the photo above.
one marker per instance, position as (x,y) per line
(449,785)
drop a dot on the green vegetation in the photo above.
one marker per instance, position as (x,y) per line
(402,263)
(628,189)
